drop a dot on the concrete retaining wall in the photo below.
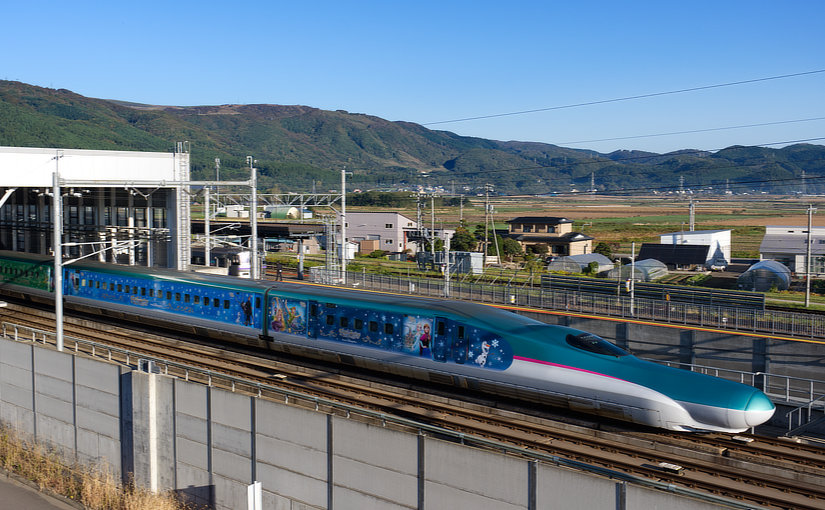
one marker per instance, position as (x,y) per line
(209,444)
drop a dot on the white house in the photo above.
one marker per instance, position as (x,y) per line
(390,228)
(718,242)
(788,245)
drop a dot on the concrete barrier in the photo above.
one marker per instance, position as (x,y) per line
(208,444)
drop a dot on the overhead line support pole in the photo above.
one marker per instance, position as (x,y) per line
(57,248)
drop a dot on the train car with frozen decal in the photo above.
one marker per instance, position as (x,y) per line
(450,342)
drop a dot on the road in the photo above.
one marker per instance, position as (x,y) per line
(15,495)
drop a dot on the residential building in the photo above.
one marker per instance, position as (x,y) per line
(556,233)
(391,229)
(788,246)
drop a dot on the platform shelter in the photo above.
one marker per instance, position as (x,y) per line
(117,206)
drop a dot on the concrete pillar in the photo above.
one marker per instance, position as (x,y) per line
(148,430)
(687,347)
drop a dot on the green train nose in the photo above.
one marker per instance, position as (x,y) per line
(759,409)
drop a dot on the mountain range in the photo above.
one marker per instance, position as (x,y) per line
(300,148)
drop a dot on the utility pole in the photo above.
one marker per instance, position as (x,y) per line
(432,226)
(692,215)
(207,240)
(486,223)
(253,221)
(811,211)
(57,247)
(217,188)
(344,225)
(633,278)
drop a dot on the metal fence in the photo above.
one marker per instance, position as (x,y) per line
(792,324)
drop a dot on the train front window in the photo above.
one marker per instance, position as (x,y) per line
(592,343)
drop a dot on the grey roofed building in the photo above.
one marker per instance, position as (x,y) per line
(788,246)
(675,255)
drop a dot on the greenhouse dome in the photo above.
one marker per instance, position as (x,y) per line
(645,271)
(765,275)
(578,263)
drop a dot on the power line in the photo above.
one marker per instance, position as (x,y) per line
(628,98)
(706,130)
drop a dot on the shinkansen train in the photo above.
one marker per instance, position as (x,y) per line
(449,342)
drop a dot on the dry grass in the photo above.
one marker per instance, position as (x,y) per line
(95,487)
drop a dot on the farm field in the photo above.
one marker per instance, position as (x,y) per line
(622,220)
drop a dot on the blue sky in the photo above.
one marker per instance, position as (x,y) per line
(434,61)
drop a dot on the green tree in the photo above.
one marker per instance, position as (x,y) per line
(604,249)
(509,248)
(538,249)
(463,240)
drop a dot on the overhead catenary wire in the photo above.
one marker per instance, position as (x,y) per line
(691,131)
(626,98)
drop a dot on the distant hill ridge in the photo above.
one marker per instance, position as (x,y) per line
(299,148)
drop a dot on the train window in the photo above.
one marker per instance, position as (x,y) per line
(217,302)
(373,327)
(120,287)
(226,304)
(205,301)
(112,286)
(257,302)
(344,322)
(313,310)
(151,292)
(592,343)
(330,305)
(359,323)
(461,332)
(177,296)
(83,282)
(388,328)
(196,299)
(169,295)
(330,320)
(186,298)
(143,291)
(440,328)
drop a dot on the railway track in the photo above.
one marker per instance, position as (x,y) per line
(768,472)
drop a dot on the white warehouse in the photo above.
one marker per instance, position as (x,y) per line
(718,242)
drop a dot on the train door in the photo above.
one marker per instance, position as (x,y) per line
(441,339)
(460,344)
(314,316)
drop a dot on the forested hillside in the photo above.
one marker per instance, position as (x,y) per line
(299,147)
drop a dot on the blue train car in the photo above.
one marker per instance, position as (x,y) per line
(227,302)
(450,342)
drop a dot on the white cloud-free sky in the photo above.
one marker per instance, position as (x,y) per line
(434,61)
